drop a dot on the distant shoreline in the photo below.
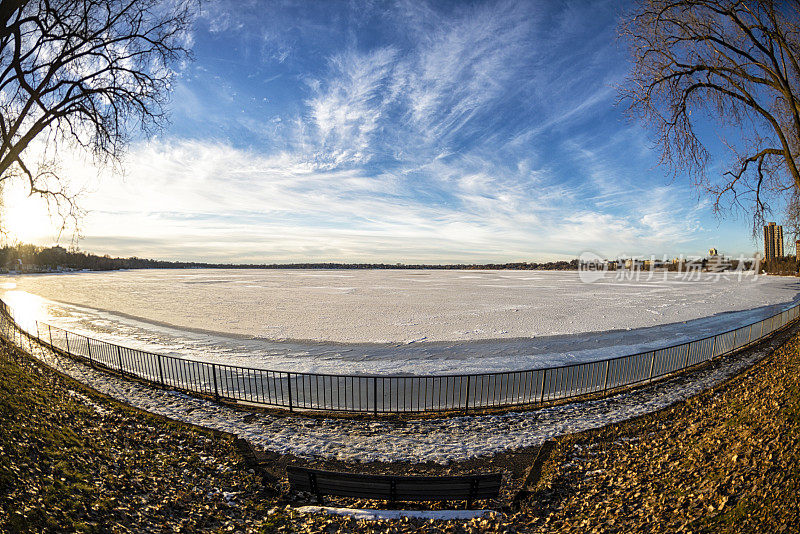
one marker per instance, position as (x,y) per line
(24,259)
(33,259)
(321,267)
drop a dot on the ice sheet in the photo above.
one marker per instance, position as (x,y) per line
(400,306)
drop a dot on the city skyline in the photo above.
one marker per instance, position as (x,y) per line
(414,132)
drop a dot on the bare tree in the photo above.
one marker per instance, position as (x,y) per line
(82,73)
(737,62)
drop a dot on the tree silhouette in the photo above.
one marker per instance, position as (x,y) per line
(737,61)
(82,73)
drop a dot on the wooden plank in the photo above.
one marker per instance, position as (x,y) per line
(420,491)
(298,471)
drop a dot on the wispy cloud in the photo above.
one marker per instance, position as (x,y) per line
(349,106)
(420,97)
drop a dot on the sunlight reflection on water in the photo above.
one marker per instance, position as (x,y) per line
(27,308)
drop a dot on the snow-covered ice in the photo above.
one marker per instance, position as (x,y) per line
(402,306)
(394,321)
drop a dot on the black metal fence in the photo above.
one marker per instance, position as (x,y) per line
(391,394)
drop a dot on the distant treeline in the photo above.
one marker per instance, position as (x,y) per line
(32,258)
(785,265)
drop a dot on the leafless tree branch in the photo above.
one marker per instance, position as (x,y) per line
(83,73)
(736,60)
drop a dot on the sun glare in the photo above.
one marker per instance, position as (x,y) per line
(26,308)
(25,218)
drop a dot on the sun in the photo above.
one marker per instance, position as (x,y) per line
(25,218)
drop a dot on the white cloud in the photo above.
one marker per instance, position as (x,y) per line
(411,102)
(210,201)
(348,107)
(464,64)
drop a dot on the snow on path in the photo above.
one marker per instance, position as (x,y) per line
(382,515)
(440,440)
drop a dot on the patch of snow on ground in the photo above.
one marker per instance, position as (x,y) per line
(382,515)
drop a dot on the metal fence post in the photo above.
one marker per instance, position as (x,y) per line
(89,351)
(214,374)
(466,395)
(652,364)
(66,336)
(119,359)
(160,370)
(544,381)
(289,381)
(608,369)
(375,395)
(50,331)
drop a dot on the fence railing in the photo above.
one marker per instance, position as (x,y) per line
(392,394)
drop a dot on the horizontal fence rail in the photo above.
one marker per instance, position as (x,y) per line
(390,394)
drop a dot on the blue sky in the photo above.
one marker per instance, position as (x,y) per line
(399,132)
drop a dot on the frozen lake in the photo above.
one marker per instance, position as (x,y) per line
(394,321)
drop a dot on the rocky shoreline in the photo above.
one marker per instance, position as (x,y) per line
(727,459)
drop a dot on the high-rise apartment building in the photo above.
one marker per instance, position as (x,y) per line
(773,241)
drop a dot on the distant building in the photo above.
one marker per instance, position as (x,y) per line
(630,264)
(716,262)
(773,241)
